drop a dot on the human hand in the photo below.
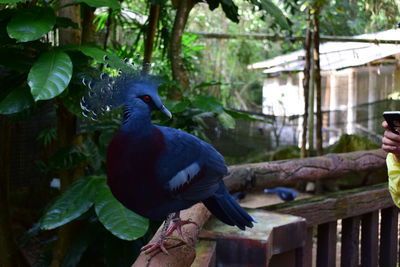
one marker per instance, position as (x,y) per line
(391,141)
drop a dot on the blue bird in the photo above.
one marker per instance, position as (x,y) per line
(286,194)
(158,171)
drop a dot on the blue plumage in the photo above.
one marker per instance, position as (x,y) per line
(156,171)
(174,169)
(285,193)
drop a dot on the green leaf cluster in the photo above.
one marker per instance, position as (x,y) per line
(192,112)
(46,71)
(231,10)
(115,4)
(86,193)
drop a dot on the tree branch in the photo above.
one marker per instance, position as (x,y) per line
(289,172)
(181,254)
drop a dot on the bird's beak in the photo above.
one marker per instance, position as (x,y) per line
(164,110)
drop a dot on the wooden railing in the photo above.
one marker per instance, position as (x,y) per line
(304,232)
(364,219)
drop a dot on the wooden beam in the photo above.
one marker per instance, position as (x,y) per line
(289,172)
(338,205)
(326,244)
(369,239)
(350,242)
(266,244)
(388,240)
(274,37)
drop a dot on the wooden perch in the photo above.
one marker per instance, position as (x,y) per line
(288,172)
(181,254)
(261,175)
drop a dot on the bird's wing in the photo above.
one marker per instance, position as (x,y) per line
(188,167)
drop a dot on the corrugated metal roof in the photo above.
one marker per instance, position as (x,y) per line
(337,55)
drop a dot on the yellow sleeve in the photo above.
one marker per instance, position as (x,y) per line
(394,178)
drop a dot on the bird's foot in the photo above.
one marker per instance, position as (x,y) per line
(160,245)
(154,246)
(172,223)
(177,225)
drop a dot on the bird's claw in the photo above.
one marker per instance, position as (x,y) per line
(151,247)
(177,225)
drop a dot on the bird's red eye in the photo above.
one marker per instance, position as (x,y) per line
(146,98)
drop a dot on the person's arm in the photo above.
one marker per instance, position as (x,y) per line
(394,178)
(391,144)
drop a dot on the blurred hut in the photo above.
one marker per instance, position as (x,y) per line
(359,81)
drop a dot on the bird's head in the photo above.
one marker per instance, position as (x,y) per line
(142,94)
(132,88)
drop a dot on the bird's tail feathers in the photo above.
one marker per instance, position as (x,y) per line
(223,206)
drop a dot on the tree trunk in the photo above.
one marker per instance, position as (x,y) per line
(311,106)
(70,35)
(10,254)
(108,28)
(88,28)
(151,33)
(317,77)
(179,73)
(306,86)
(66,134)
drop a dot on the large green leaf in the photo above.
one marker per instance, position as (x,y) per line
(120,221)
(98,54)
(241,115)
(63,22)
(275,12)
(100,3)
(212,4)
(11,1)
(208,84)
(226,120)
(230,10)
(207,103)
(91,51)
(75,201)
(18,100)
(30,24)
(180,106)
(50,75)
